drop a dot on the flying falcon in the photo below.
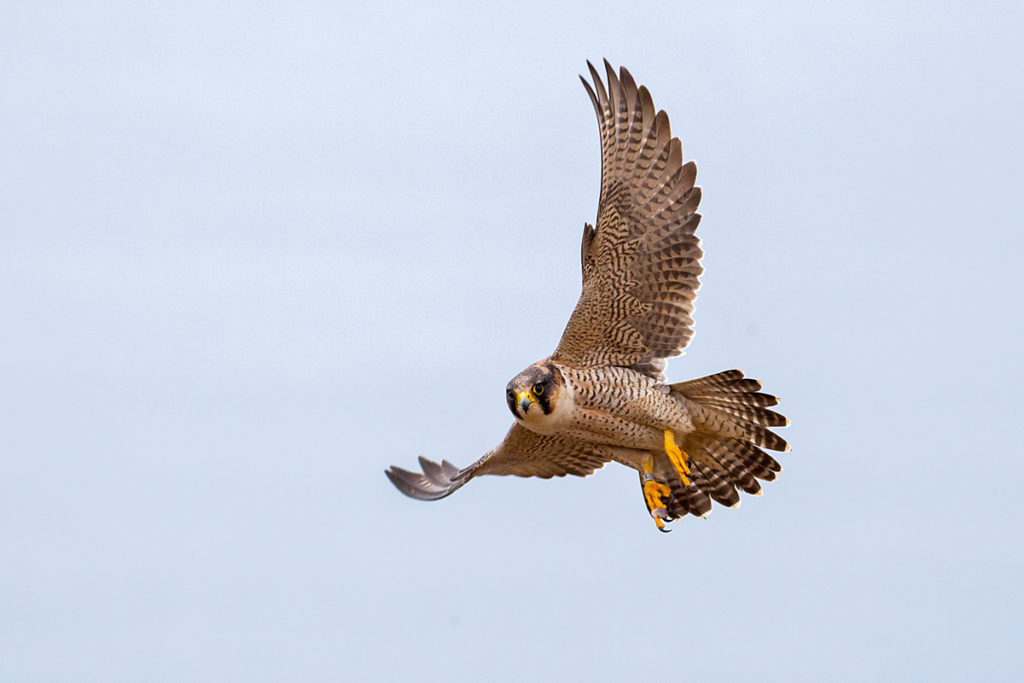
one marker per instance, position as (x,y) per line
(602,396)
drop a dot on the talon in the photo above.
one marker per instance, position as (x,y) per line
(660,516)
(677,457)
(653,492)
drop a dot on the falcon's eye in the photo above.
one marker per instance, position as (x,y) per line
(511,395)
(538,389)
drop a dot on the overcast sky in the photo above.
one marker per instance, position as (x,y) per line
(250,256)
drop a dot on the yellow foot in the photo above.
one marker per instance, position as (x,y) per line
(653,492)
(676,456)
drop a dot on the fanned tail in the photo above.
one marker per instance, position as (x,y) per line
(732,420)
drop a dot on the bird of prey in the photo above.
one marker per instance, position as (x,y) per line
(601,396)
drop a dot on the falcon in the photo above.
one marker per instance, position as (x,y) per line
(602,396)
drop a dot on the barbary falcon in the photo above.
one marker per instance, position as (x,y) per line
(602,396)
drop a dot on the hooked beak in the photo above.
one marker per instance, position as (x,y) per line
(526,400)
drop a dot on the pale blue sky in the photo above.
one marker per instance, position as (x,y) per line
(252,255)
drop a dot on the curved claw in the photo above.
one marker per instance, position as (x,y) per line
(661,514)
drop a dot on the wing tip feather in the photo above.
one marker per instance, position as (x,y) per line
(436,481)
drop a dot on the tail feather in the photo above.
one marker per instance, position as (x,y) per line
(749,413)
(728,382)
(709,479)
(728,404)
(687,500)
(754,399)
(759,463)
(732,427)
(749,398)
(740,473)
(766,439)
(712,420)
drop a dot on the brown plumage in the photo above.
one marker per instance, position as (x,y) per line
(601,396)
(642,263)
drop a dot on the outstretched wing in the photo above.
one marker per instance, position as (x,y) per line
(522,453)
(641,265)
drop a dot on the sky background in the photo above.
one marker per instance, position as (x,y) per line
(252,255)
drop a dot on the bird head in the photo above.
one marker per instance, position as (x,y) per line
(538,395)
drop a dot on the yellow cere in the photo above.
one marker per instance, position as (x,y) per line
(525,394)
